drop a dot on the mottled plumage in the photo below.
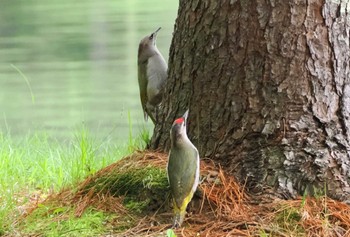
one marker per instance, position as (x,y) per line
(183,169)
(152,75)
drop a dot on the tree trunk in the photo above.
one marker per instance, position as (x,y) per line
(267,83)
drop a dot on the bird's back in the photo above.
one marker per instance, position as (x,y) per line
(142,79)
(184,175)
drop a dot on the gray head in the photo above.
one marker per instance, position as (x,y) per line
(147,46)
(178,129)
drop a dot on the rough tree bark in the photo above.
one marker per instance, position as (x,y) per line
(267,83)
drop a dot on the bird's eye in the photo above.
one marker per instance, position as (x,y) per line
(151,36)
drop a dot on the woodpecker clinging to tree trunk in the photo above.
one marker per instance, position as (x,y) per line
(152,74)
(183,169)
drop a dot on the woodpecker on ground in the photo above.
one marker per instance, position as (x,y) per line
(183,169)
(152,75)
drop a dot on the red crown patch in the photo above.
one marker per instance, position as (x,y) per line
(179,120)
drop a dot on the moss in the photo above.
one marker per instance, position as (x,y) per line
(136,206)
(53,220)
(145,189)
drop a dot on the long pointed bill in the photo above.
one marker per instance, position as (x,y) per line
(185,115)
(182,119)
(157,30)
(154,35)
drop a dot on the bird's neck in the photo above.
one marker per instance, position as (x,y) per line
(145,53)
(179,140)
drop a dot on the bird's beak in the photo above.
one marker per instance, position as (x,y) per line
(185,115)
(155,33)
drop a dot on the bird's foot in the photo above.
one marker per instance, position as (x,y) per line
(176,225)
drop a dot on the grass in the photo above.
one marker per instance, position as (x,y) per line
(135,187)
(35,166)
(26,80)
(143,139)
(62,222)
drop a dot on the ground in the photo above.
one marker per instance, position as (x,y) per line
(131,197)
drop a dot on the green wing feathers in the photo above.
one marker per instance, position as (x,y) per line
(182,174)
(143,87)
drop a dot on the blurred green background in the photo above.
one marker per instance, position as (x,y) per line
(79,57)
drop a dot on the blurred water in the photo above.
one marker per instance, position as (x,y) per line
(80,60)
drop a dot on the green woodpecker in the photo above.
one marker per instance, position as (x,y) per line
(183,169)
(152,74)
